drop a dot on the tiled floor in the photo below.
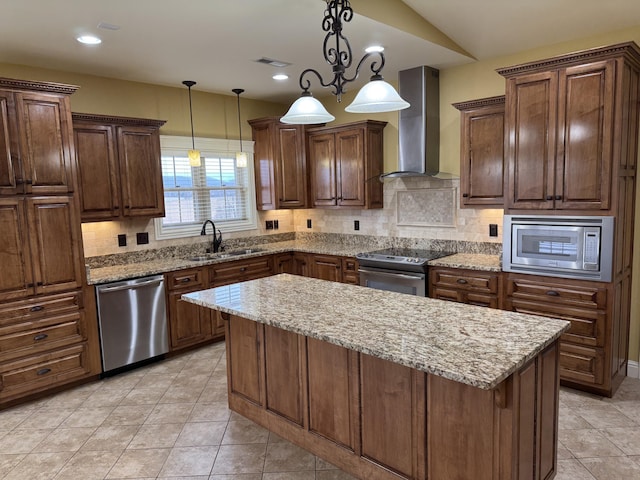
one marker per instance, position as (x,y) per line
(170,421)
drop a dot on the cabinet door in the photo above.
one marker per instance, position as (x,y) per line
(16,279)
(322,158)
(54,237)
(291,167)
(263,158)
(45,143)
(531,106)
(326,267)
(350,168)
(585,137)
(140,172)
(189,324)
(10,168)
(284,263)
(301,264)
(97,171)
(482,157)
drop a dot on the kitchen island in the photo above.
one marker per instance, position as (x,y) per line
(389,386)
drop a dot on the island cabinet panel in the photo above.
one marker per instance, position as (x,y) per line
(283,357)
(245,359)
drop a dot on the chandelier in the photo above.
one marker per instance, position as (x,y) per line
(375,97)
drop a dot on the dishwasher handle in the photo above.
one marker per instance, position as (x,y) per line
(130,286)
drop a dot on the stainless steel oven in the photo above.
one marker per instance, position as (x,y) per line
(397,270)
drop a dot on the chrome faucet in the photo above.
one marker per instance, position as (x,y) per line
(216,240)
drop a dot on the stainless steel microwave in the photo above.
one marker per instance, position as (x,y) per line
(568,247)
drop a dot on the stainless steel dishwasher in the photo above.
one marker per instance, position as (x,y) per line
(133,321)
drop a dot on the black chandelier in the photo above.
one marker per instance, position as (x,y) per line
(376,96)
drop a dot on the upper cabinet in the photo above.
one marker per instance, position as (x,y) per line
(280,164)
(36,147)
(482,152)
(119,168)
(345,163)
(569,129)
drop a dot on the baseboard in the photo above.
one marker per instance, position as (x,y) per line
(633,369)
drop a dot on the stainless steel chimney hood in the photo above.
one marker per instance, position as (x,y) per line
(419,125)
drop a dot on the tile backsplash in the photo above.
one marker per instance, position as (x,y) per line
(414,207)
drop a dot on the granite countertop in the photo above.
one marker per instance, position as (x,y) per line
(473,345)
(470,261)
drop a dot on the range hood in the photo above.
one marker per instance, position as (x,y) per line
(419,125)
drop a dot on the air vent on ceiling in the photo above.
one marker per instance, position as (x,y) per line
(108,26)
(272,62)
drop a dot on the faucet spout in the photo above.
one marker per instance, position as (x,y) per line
(216,240)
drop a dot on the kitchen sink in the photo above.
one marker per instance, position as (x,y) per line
(232,253)
(201,258)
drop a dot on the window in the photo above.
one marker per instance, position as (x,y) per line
(216,190)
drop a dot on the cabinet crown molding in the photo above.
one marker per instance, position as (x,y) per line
(479,103)
(104,119)
(50,87)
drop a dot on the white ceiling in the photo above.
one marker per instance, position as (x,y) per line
(216,42)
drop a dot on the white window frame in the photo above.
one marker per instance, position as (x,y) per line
(176,145)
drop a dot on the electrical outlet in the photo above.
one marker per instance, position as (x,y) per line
(356,224)
(122,240)
(493,229)
(275,225)
(269,224)
(308,223)
(142,238)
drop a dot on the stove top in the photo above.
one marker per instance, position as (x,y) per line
(400,258)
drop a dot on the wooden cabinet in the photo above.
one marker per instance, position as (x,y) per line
(345,163)
(119,167)
(284,263)
(240,270)
(325,267)
(567,136)
(41,246)
(482,152)
(36,149)
(280,164)
(350,271)
(466,286)
(586,349)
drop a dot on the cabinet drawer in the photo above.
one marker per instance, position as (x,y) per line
(587,325)
(42,334)
(184,279)
(469,280)
(43,371)
(350,271)
(45,306)
(241,270)
(581,364)
(470,298)
(569,292)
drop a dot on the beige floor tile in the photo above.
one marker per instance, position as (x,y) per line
(87,417)
(304,475)
(170,413)
(622,468)
(189,461)
(191,380)
(201,434)
(178,394)
(577,398)
(105,398)
(139,463)
(286,457)
(68,399)
(191,477)
(572,470)
(10,419)
(626,439)
(8,462)
(333,475)
(322,464)
(214,394)
(111,438)
(22,441)
(235,459)
(242,433)
(39,466)
(46,418)
(588,443)
(65,440)
(605,416)
(275,438)
(572,421)
(143,396)
(129,415)
(124,381)
(156,436)
(89,465)
(156,381)
(175,366)
(242,476)
(563,453)
(210,412)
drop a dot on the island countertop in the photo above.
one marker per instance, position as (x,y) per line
(473,345)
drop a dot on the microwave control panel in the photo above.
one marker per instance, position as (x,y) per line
(591,249)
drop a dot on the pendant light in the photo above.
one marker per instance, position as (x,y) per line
(241,157)
(194,155)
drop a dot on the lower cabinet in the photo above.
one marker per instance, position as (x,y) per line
(465,286)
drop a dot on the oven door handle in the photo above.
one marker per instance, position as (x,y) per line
(417,276)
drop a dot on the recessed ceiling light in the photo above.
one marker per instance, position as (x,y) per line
(89,39)
(374,48)
(280,76)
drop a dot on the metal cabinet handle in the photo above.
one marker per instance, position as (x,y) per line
(29,181)
(19,181)
(185,280)
(40,336)
(36,308)
(39,284)
(43,371)
(243,269)
(558,197)
(461,281)
(553,293)
(549,197)
(465,195)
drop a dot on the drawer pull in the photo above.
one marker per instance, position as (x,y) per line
(40,336)
(185,280)
(461,281)
(553,293)
(37,308)
(243,269)
(43,371)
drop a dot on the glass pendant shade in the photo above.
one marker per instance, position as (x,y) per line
(241,160)
(307,110)
(194,158)
(375,97)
